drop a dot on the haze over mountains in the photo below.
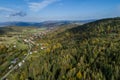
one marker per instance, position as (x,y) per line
(44,23)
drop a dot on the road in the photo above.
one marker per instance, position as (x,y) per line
(15,67)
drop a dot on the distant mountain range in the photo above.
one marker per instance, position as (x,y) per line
(43,24)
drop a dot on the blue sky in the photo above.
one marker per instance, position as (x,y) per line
(41,10)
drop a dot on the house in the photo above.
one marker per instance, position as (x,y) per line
(31,42)
(7,46)
(43,47)
(35,51)
(14,61)
(30,53)
(14,46)
(25,40)
(23,61)
(37,44)
(11,66)
(31,38)
(20,64)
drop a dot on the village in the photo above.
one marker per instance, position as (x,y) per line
(30,41)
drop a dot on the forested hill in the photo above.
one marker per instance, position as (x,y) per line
(103,23)
(87,52)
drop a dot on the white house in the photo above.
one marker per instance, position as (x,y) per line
(10,66)
(20,64)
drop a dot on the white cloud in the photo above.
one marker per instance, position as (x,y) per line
(11,12)
(34,6)
(6,9)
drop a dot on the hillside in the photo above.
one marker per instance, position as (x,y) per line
(87,52)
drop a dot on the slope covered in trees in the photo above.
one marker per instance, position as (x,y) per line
(87,52)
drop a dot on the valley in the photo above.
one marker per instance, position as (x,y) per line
(67,52)
(59,39)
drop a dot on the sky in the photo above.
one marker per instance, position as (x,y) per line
(44,10)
